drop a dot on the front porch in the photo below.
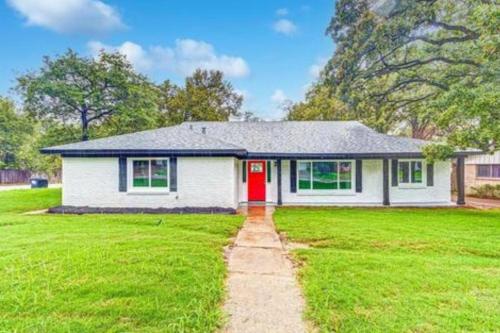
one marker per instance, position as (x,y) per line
(392,181)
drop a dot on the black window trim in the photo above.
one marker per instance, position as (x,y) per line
(269,167)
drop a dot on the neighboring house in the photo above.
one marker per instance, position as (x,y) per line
(482,169)
(226,164)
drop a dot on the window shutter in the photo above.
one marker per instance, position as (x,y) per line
(173,174)
(394,172)
(268,171)
(122,174)
(244,171)
(359,176)
(293,176)
(430,174)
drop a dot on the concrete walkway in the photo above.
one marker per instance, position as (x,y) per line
(263,292)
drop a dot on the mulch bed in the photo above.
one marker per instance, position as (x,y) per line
(113,210)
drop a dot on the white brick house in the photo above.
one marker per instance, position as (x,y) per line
(227,164)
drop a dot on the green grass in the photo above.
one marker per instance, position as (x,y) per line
(109,273)
(398,270)
(16,201)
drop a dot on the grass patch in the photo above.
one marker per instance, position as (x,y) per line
(17,201)
(398,270)
(116,273)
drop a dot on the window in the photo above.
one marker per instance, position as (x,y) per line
(256,167)
(488,170)
(141,174)
(495,171)
(345,172)
(324,175)
(304,175)
(483,171)
(410,172)
(150,174)
(159,173)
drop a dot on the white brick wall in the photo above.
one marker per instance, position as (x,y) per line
(205,182)
(201,182)
(372,193)
(439,194)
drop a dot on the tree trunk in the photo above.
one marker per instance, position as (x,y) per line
(423,131)
(85,126)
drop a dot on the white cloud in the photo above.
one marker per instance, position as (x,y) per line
(278,97)
(69,16)
(139,58)
(189,54)
(282,12)
(279,101)
(285,27)
(317,67)
(183,58)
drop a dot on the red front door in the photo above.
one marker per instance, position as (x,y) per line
(256,180)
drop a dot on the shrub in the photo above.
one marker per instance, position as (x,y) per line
(486,191)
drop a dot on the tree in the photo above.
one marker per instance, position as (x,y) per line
(249,116)
(205,96)
(418,60)
(14,130)
(171,106)
(28,155)
(73,89)
(406,38)
(21,137)
(319,104)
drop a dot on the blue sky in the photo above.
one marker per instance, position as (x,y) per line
(269,50)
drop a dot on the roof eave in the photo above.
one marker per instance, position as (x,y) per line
(299,156)
(144,152)
(371,155)
(239,153)
(465,153)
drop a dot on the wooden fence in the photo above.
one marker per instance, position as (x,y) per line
(11,176)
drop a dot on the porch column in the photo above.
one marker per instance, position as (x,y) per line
(385,181)
(460,180)
(278,167)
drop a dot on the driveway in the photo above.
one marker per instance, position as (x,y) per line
(23,187)
(482,203)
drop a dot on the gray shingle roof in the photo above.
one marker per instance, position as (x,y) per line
(316,137)
(279,137)
(167,138)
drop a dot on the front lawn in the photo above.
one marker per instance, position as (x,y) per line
(18,201)
(398,270)
(112,273)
